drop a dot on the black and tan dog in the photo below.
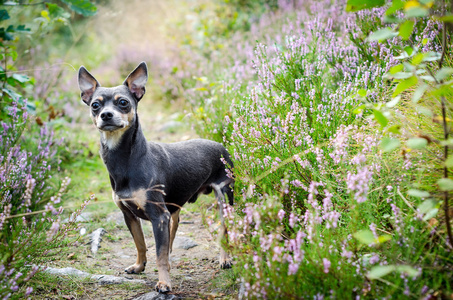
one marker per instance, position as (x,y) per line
(152,181)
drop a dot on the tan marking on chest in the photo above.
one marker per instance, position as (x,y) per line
(139,198)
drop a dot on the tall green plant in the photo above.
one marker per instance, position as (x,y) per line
(424,75)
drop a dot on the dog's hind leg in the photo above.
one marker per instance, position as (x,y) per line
(135,227)
(173,227)
(224,260)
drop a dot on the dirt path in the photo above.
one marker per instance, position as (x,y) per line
(193,270)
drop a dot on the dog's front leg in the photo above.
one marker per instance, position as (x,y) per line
(135,227)
(160,219)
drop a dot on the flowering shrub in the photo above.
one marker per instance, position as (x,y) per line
(30,206)
(322,211)
(351,220)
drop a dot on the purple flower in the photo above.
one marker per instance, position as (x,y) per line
(326,264)
(359,183)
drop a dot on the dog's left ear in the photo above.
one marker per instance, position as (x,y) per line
(136,81)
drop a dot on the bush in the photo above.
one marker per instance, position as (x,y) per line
(31,230)
(322,210)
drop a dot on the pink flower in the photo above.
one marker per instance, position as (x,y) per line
(326,264)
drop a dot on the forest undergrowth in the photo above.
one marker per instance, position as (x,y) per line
(337,115)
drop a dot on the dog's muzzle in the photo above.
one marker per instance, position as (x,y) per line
(109,121)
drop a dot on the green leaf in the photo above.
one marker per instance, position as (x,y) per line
(448,143)
(430,214)
(447,18)
(14,55)
(445,184)
(396,5)
(417,143)
(82,7)
(449,162)
(356,5)
(425,41)
(404,85)
(406,29)
(428,78)
(419,91)
(443,90)
(380,118)
(4,15)
(56,11)
(362,93)
(365,237)
(417,193)
(382,34)
(21,78)
(406,269)
(394,129)
(402,75)
(393,102)
(444,73)
(384,238)
(426,206)
(389,144)
(396,69)
(12,94)
(409,67)
(416,12)
(432,56)
(377,272)
(418,58)
(409,50)
(22,28)
(359,109)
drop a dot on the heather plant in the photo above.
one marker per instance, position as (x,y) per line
(31,231)
(324,208)
(31,184)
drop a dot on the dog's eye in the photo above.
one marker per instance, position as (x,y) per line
(123,103)
(95,105)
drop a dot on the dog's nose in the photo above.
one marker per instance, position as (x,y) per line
(105,116)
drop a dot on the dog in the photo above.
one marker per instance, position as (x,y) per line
(152,181)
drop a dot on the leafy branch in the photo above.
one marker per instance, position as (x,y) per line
(415,74)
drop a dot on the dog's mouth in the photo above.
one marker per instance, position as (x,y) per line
(111,127)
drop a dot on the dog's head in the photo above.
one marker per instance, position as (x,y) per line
(113,110)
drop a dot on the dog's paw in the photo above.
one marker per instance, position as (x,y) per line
(226,264)
(163,287)
(135,268)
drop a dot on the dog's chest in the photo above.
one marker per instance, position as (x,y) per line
(136,202)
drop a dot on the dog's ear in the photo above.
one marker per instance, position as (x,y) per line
(136,81)
(87,84)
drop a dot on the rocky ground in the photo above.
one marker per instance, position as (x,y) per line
(195,269)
